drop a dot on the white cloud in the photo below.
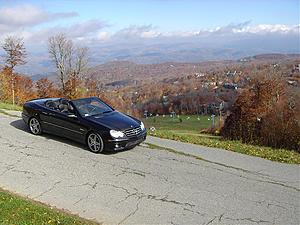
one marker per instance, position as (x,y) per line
(103,35)
(27,15)
(150,32)
(20,20)
(84,31)
(134,31)
(87,28)
(94,31)
(268,28)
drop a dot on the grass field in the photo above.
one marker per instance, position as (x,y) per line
(19,211)
(187,124)
(189,131)
(9,106)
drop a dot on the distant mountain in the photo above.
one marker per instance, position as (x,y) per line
(49,75)
(275,56)
(189,51)
(122,73)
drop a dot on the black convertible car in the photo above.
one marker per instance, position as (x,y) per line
(88,120)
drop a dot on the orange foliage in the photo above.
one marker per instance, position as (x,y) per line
(264,114)
(22,85)
(23,89)
(5,86)
(45,88)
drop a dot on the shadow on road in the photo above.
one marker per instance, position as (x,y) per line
(19,124)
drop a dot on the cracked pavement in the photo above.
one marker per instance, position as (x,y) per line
(146,185)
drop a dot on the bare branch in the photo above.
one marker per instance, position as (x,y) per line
(15,51)
(69,60)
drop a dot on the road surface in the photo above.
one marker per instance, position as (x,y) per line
(148,184)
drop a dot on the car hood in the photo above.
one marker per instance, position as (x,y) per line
(115,120)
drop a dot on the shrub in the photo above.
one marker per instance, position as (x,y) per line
(266,114)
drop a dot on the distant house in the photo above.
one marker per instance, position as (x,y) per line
(230,73)
(232,86)
(244,60)
(292,83)
(297,67)
(197,75)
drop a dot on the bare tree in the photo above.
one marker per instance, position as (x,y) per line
(69,60)
(60,49)
(15,55)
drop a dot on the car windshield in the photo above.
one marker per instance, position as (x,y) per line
(91,107)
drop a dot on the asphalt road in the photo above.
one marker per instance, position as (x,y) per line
(147,185)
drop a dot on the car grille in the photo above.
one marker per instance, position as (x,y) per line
(133,132)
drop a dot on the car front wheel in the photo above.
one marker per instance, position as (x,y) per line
(35,126)
(95,142)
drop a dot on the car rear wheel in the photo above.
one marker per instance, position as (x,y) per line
(95,142)
(35,126)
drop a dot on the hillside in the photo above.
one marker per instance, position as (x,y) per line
(126,72)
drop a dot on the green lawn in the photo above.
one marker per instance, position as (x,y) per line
(9,106)
(189,131)
(19,211)
(190,124)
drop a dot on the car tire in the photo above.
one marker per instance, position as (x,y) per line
(95,142)
(34,126)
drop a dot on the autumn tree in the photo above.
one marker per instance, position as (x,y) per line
(93,86)
(5,87)
(266,113)
(15,55)
(71,61)
(24,89)
(45,88)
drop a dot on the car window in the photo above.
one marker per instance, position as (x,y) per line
(60,105)
(91,107)
(52,104)
(98,104)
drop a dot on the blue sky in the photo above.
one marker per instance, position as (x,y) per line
(172,15)
(152,31)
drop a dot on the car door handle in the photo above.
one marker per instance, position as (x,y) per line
(48,114)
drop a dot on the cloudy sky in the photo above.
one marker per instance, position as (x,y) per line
(216,23)
(108,20)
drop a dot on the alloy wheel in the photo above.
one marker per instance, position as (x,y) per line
(35,126)
(95,142)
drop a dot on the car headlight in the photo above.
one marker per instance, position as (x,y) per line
(142,126)
(116,134)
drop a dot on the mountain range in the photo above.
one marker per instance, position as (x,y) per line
(120,73)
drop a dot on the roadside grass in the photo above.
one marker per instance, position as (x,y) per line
(19,210)
(9,106)
(187,129)
(8,114)
(279,155)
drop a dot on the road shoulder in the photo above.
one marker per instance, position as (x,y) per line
(281,172)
